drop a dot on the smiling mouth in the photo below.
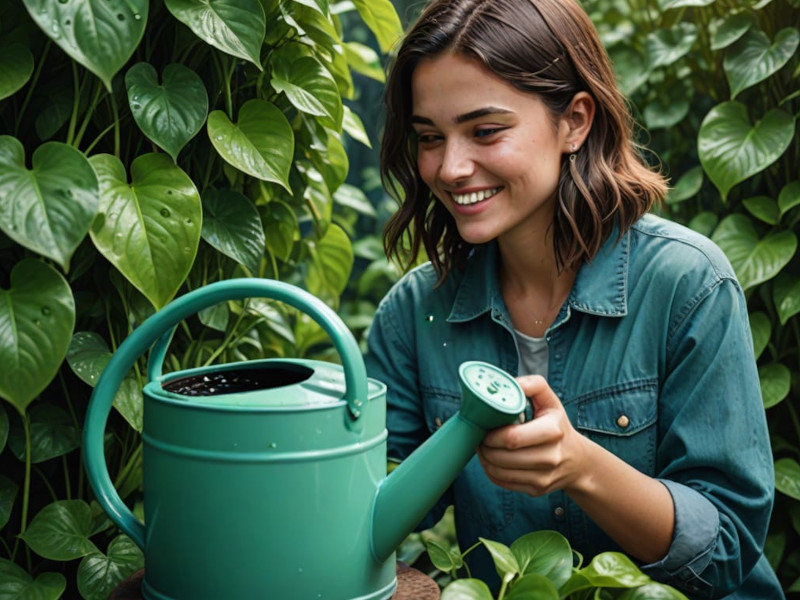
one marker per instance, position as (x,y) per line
(474,197)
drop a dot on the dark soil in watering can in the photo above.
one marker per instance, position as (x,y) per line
(236,381)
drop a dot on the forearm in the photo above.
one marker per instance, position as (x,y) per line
(635,510)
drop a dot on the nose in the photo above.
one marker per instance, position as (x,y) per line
(457,164)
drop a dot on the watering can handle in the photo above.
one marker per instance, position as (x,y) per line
(159,327)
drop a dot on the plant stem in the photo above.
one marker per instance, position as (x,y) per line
(76,101)
(34,81)
(26,488)
(115,112)
(88,116)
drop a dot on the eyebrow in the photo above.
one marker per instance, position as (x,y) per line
(475,114)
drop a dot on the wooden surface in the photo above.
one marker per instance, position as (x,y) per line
(411,585)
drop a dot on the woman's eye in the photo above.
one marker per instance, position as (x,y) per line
(428,138)
(482,133)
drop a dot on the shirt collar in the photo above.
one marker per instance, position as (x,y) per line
(601,287)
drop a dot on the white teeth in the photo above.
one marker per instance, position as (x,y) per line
(467,199)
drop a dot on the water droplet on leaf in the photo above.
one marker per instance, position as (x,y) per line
(165,212)
(46,310)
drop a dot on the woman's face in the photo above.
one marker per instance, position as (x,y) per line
(489,152)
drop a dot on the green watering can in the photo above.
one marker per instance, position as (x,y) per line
(267,479)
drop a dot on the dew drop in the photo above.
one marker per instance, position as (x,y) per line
(63,1)
(444,345)
(120,17)
(46,310)
(38,323)
(429,318)
(188,221)
(165,212)
(169,192)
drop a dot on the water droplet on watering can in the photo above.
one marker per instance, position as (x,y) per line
(46,310)
(165,212)
(273,445)
(429,318)
(444,345)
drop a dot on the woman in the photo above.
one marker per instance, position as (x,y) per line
(511,148)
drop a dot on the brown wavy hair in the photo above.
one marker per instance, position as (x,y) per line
(546,47)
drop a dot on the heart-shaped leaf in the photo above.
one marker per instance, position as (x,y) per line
(309,87)
(61,531)
(49,208)
(726,31)
(8,493)
(754,260)
(789,196)
(169,113)
(755,57)
(776,381)
(666,46)
(332,262)
(232,225)
(16,584)
(467,589)
(761,328)
(669,107)
(87,356)
(260,144)
(148,229)
(382,19)
(101,35)
(100,574)
(53,433)
(687,186)
(37,314)
(280,227)
(786,295)
(546,553)
(614,569)
(237,27)
(731,148)
(16,67)
(505,563)
(787,477)
(763,208)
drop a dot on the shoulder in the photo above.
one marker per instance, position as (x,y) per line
(675,251)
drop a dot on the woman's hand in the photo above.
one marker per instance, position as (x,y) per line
(539,456)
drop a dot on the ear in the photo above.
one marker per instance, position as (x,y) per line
(578,120)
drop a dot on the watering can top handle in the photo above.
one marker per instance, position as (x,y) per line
(159,327)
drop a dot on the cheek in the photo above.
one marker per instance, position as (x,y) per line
(428,166)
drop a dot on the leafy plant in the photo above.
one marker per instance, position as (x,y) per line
(149,147)
(715,83)
(539,566)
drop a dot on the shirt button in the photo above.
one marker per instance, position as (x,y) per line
(559,512)
(438,422)
(623,421)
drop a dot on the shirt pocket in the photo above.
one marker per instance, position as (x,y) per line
(439,405)
(622,420)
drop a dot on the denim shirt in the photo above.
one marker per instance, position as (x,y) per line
(652,358)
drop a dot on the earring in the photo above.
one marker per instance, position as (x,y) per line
(573,149)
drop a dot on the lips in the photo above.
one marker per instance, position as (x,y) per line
(474,197)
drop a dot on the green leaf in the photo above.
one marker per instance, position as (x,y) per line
(232,225)
(786,295)
(547,553)
(789,196)
(630,68)
(669,107)
(16,584)
(237,27)
(532,587)
(37,314)
(754,260)
(467,589)
(352,197)
(381,17)
(613,569)
(260,144)
(101,35)
(281,229)
(504,560)
(332,261)
(354,127)
(761,329)
(309,87)
(100,574)
(16,68)
(666,46)
(87,356)
(687,186)
(439,556)
(787,477)
(731,149)
(763,208)
(704,222)
(726,31)
(169,113)
(148,229)
(776,381)
(755,57)
(53,434)
(363,59)
(49,208)
(8,493)
(61,531)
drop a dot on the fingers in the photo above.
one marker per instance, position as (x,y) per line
(538,390)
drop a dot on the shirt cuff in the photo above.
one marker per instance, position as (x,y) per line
(693,540)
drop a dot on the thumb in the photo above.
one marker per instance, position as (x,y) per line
(538,390)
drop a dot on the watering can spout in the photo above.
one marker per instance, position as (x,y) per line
(490,398)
